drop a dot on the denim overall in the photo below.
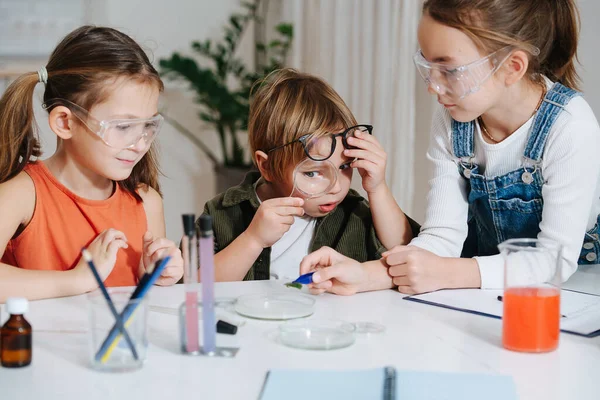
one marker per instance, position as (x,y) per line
(510,206)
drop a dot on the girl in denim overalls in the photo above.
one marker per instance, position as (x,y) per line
(514,150)
(514,146)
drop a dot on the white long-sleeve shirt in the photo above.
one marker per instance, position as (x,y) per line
(571,190)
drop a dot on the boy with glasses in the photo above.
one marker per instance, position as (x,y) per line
(261,232)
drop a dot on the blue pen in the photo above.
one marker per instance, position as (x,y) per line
(305,279)
(140,291)
(88,258)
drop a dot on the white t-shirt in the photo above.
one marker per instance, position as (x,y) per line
(294,245)
(571,192)
(288,252)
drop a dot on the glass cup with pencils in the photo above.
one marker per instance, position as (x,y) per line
(119,356)
(532,279)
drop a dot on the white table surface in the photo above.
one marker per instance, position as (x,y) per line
(418,337)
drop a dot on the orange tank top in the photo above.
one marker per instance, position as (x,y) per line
(63,223)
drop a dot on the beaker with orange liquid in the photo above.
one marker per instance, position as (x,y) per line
(532,280)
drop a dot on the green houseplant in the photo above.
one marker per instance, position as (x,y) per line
(222,85)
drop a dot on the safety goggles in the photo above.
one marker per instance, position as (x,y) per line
(116,133)
(461,81)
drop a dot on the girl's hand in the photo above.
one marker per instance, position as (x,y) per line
(103,249)
(155,249)
(335,273)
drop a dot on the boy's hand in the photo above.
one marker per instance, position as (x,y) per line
(273,219)
(370,160)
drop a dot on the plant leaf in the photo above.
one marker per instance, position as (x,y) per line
(235,21)
(285,29)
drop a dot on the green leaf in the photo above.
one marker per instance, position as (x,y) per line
(294,285)
(206,117)
(235,21)
(285,29)
(221,50)
(223,106)
(204,48)
(229,39)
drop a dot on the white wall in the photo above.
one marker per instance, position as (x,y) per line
(589,52)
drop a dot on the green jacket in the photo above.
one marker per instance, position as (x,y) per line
(348,229)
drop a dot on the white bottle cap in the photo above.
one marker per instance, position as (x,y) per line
(17,305)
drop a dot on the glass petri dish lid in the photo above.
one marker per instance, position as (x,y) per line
(317,334)
(275,306)
(368,328)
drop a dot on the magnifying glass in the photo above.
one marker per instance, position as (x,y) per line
(314,178)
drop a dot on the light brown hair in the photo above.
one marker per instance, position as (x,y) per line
(78,70)
(552,26)
(287,105)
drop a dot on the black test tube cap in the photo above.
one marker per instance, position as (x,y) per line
(205,224)
(189,224)
(226,328)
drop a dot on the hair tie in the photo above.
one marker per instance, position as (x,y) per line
(43,75)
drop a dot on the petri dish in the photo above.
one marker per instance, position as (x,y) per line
(317,334)
(367,328)
(275,306)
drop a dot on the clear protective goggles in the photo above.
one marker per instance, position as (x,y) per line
(117,133)
(461,81)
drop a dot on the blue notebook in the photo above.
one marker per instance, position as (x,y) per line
(386,384)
